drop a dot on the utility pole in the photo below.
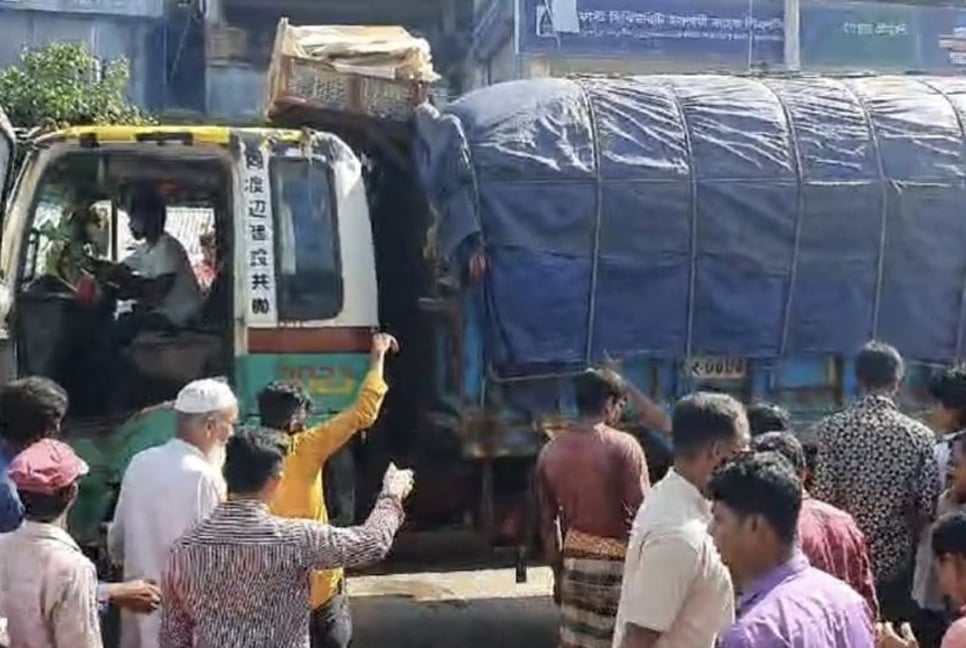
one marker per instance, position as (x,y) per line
(793,52)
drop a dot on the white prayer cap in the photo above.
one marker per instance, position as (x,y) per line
(204,396)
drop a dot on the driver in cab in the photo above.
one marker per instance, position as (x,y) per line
(157,275)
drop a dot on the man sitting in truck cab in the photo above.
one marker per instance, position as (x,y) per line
(157,276)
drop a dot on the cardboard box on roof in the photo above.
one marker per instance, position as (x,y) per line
(380,72)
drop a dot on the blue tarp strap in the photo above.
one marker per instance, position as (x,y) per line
(598,216)
(962,296)
(693,260)
(883,228)
(799,217)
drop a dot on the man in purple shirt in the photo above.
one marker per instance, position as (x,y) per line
(783,601)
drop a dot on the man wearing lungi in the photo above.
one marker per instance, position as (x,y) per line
(590,481)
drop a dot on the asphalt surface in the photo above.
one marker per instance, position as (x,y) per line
(467,609)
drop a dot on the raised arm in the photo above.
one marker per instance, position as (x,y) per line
(649,413)
(328,547)
(321,442)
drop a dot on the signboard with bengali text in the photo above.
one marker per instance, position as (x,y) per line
(745,34)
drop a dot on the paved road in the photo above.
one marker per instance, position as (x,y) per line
(459,609)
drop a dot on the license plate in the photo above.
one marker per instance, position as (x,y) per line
(716,368)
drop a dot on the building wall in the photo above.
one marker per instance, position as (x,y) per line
(108,37)
(235,93)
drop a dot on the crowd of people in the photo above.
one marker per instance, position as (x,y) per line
(749,540)
(223,536)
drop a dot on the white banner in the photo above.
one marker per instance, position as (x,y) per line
(261,292)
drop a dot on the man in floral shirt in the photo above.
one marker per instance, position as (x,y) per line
(878,464)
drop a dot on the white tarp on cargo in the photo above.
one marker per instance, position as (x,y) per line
(382,52)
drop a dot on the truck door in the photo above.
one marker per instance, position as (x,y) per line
(305,270)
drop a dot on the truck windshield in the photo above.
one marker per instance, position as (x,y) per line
(308,263)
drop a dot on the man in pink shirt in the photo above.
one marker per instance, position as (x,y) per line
(829,537)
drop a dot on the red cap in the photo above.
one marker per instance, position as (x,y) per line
(46,467)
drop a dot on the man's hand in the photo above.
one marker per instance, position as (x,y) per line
(139,596)
(382,344)
(398,483)
(886,636)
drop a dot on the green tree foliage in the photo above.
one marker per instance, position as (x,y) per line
(64,84)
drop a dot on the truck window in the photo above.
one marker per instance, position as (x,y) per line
(65,211)
(307,259)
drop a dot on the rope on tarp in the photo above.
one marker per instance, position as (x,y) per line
(598,217)
(800,216)
(693,180)
(962,296)
(884,183)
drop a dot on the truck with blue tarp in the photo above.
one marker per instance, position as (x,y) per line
(739,233)
(746,234)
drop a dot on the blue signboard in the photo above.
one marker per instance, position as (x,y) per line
(882,36)
(730,32)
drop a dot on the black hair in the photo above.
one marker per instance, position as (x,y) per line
(594,387)
(785,444)
(763,484)
(279,401)
(949,535)
(30,409)
(703,418)
(43,507)
(949,388)
(252,458)
(767,417)
(146,200)
(879,366)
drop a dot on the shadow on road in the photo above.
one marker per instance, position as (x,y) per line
(403,621)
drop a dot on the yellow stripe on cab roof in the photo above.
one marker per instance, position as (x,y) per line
(210,135)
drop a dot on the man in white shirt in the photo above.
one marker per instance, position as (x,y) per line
(169,489)
(157,274)
(676,592)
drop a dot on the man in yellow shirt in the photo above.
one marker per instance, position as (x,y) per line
(286,407)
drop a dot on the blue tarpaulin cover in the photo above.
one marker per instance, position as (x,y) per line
(675,216)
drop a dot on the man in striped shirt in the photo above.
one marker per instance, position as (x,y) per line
(241,578)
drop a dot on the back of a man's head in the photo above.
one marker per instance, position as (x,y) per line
(702,419)
(949,536)
(767,417)
(252,459)
(278,403)
(784,444)
(594,387)
(30,409)
(879,367)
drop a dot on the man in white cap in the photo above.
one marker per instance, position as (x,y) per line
(169,489)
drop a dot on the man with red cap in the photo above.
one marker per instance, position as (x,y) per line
(48,588)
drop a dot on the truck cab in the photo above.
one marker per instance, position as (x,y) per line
(290,290)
